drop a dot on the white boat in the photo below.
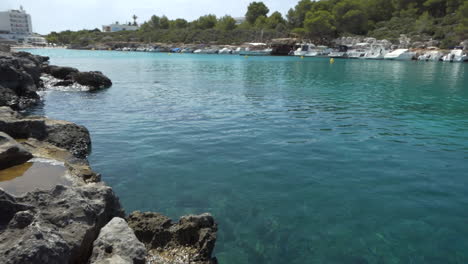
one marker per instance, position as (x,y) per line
(225,51)
(433,55)
(255,49)
(400,54)
(456,55)
(206,51)
(356,53)
(376,52)
(341,52)
(306,50)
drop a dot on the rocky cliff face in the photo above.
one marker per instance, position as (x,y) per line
(81,221)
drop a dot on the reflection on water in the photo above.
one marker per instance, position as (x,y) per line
(29,176)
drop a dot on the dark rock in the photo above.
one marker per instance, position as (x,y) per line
(64,83)
(94,79)
(117,242)
(4,48)
(62,134)
(65,222)
(59,72)
(191,240)
(11,152)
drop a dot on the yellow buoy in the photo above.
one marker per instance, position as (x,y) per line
(246,56)
(332,60)
(302,57)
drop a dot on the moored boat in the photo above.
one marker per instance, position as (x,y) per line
(376,52)
(456,55)
(306,50)
(400,54)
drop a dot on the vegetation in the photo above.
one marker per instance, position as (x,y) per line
(442,20)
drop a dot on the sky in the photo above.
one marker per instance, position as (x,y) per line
(58,15)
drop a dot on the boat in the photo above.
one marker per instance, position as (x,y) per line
(206,51)
(341,52)
(256,49)
(376,52)
(433,55)
(306,50)
(456,55)
(225,51)
(358,51)
(400,54)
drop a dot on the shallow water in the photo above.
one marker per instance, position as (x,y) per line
(299,161)
(32,175)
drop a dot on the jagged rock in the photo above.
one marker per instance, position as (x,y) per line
(404,42)
(94,79)
(117,242)
(4,48)
(64,83)
(20,79)
(62,134)
(191,240)
(56,226)
(11,152)
(60,72)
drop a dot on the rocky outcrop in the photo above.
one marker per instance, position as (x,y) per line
(56,226)
(94,79)
(20,78)
(11,153)
(117,243)
(62,134)
(191,240)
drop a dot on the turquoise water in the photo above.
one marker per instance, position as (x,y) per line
(299,161)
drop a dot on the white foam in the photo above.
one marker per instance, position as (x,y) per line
(50,81)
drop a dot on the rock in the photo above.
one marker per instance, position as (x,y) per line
(116,241)
(11,152)
(62,134)
(191,240)
(4,48)
(60,72)
(404,42)
(21,76)
(64,83)
(56,226)
(95,79)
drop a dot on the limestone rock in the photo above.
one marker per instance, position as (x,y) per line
(56,226)
(117,243)
(11,152)
(94,79)
(62,134)
(191,240)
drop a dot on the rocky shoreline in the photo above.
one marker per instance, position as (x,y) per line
(81,221)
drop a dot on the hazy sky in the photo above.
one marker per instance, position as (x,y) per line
(57,15)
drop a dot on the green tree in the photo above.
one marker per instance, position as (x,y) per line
(350,17)
(320,25)
(205,22)
(180,23)
(462,28)
(261,22)
(273,21)
(164,22)
(154,22)
(255,10)
(226,23)
(297,15)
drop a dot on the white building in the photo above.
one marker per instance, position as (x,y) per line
(239,20)
(118,27)
(15,25)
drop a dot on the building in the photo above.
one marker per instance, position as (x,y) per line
(15,22)
(119,27)
(16,25)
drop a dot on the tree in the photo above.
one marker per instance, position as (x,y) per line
(350,17)
(164,22)
(226,23)
(180,23)
(320,25)
(154,22)
(260,22)
(297,15)
(206,22)
(134,20)
(255,10)
(273,21)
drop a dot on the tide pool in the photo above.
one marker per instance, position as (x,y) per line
(299,160)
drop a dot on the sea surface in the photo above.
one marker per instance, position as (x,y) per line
(299,160)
